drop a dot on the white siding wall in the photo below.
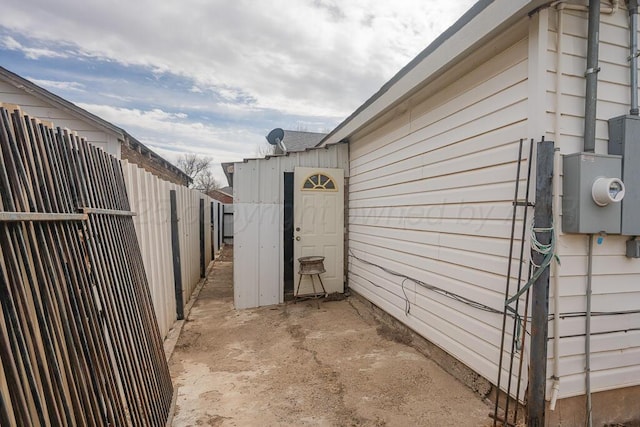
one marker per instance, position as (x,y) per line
(149,198)
(430,197)
(37,108)
(615,360)
(258,221)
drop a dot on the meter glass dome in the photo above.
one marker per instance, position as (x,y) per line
(614,189)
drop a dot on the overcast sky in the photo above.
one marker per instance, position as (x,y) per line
(215,76)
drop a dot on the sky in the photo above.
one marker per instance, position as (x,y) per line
(213,77)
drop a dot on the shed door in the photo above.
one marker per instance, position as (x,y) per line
(319,224)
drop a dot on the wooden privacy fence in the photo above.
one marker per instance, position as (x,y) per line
(150,198)
(79,342)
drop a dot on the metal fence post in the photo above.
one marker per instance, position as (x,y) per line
(543,220)
(203,265)
(175,246)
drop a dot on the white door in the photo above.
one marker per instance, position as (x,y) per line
(319,225)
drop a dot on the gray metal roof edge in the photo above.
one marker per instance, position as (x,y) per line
(42,93)
(323,147)
(475,10)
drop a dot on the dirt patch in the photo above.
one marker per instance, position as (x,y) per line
(399,336)
(297,365)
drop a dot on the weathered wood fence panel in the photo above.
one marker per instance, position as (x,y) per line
(79,340)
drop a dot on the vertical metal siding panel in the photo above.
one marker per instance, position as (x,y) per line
(144,220)
(207,229)
(185,255)
(141,195)
(165,260)
(246,276)
(153,273)
(167,264)
(149,198)
(254,184)
(195,240)
(268,235)
(238,183)
(152,267)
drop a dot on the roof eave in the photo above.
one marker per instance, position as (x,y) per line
(480,22)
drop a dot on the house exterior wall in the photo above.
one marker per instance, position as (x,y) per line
(35,107)
(615,358)
(259,221)
(430,198)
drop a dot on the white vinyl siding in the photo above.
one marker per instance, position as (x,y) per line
(615,358)
(430,197)
(42,110)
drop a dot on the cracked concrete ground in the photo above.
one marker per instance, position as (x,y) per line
(297,365)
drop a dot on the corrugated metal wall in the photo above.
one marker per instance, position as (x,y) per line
(259,217)
(430,197)
(149,198)
(615,361)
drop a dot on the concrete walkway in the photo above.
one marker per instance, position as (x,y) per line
(296,365)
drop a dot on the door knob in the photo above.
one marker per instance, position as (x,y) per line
(298,238)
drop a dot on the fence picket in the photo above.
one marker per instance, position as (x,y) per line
(85,300)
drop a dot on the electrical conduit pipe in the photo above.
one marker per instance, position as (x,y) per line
(560,7)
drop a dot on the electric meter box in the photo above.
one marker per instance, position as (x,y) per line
(580,212)
(624,140)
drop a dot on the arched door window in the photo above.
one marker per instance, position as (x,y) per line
(319,182)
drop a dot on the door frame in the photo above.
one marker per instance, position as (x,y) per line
(338,283)
(287,236)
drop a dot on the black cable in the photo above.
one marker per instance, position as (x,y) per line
(443,292)
(467,301)
(600,333)
(571,314)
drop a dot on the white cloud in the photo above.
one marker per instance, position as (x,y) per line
(320,57)
(173,132)
(243,66)
(170,136)
(30,52)
(52,84)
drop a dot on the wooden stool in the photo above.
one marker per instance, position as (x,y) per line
(311,266)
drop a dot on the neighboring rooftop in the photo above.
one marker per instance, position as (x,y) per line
(132,149)
(292,141)
(299,141)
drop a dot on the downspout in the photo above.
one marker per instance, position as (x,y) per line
(633,55)
(591,74)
